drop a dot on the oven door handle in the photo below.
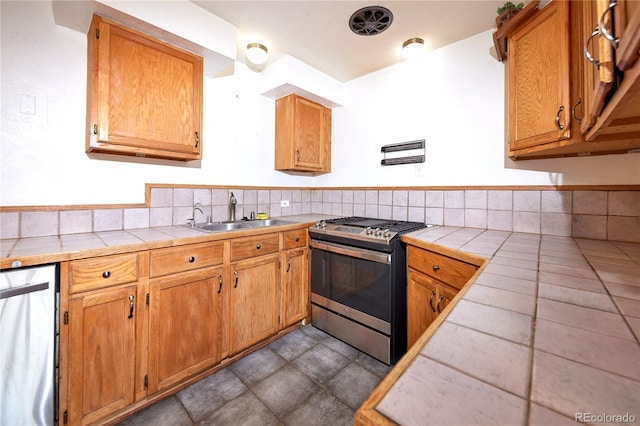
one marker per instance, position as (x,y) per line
(356,252)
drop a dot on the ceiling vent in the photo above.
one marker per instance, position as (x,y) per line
(370,20)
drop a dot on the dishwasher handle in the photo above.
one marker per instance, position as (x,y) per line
(18,291)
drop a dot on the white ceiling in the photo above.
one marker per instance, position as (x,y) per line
(318,34)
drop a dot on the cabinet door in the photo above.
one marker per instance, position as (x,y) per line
(538,79)
(145,96)
(627,25)
(309,134)
(253,306)
(445,296)
(295,287)
(184,325)
(422,295)
(303,135)
(101,353)
(598,60)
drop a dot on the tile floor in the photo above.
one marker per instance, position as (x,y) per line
(304,378)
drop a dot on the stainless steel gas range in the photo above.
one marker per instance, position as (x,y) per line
(358,283)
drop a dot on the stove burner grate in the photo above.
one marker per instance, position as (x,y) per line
(391,225)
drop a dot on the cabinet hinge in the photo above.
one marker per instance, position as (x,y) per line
(197,139)
(66,318)
(65,417)
(147,298)
(146,381)
(97,32)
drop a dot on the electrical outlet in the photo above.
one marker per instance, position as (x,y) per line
(284,203)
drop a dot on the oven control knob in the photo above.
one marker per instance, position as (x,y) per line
(322,224)
(368,231)
(378,232)
(386,233)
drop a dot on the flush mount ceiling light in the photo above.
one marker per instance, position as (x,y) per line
(257,53)
(412,47)
(370,20)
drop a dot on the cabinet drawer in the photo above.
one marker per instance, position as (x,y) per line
(98,272)
(294,239)
(172,260)
(446,269)
(244,248)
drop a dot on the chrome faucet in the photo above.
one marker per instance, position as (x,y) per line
(232,207)
(192,220)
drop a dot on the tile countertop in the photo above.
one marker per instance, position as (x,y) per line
(547,332)
(546,335)
(58,248)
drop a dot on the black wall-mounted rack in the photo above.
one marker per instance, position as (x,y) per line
(403,146)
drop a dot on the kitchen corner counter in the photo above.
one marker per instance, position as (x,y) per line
(58,248)
(546,333)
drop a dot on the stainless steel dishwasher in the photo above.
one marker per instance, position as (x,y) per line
(28,346)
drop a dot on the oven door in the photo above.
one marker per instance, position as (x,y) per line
(352,282)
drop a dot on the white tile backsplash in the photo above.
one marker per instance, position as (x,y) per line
(612,215)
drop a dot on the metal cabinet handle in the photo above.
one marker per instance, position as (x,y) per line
(106,274)
(438,304)
(288,264)
(236,275)
(130,306)
(436,268)
(433,293)
(588,54)
(258,246)
(297,239)
(558,125)
(220,281)
(297,155)
(192,259)
(603,28)
(573,111)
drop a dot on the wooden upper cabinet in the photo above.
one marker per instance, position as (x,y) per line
(303,135)
(570,91)
(598,61)
(144,95)
(538,79)
(617,127)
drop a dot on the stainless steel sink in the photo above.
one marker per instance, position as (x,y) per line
(232,226)
(266,222)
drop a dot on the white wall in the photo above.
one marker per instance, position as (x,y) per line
(454,99)
(42,158)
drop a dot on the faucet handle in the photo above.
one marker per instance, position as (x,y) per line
(192,222)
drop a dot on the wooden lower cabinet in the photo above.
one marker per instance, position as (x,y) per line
(433,280)
(254,301)
(134,327)
(295,287)
(102,348)
(426,298)
(185,323)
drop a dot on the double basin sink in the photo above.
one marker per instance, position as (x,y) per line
(238,225)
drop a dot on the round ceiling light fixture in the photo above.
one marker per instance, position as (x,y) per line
(412,47)
(370,20)
(257,53)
